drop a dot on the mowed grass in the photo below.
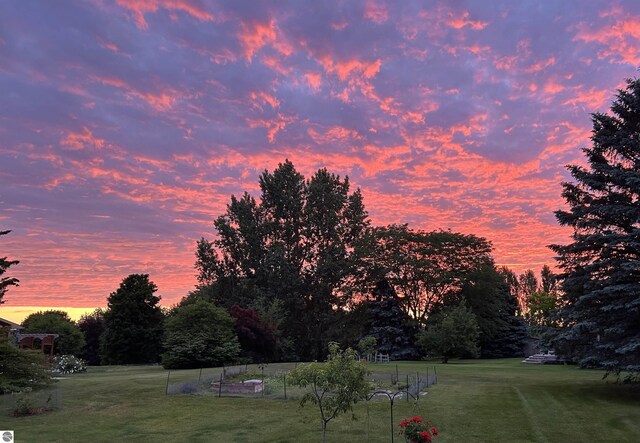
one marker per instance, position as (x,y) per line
(474,401)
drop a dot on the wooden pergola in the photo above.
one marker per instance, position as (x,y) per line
(27,341)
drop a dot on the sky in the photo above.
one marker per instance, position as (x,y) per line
(125,126)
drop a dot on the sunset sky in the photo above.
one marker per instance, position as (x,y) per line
(125,126)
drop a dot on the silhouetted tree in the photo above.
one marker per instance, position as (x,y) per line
(92,326)
(132,323)
(424,268)
(601,266)
(5,282)
(298,244)
(390,325)
(502,331)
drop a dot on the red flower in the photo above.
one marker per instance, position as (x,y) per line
(425,435)
(416,419)
(434,431)
(404,423)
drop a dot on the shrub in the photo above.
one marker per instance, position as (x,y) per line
(20,369)
(68,364)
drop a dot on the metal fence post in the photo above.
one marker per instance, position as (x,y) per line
(166,389)
(284,379)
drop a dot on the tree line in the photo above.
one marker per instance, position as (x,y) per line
(302,266)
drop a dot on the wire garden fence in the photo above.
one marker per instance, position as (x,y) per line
(393,393)
(31,402)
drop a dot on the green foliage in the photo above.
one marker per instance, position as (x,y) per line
(541,307)
(92,326)
(132,323)
(368,345)
(5,282)
(453,332)
(20,369)
(23,403)
(70,339)
(334,386)
(600,276)
(199,335)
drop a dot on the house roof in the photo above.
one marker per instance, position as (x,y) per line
(10,324)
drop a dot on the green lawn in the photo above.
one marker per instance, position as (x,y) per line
(474,401)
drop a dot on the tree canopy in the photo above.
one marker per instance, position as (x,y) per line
(132,323)
(92,326)
(601,266)
(199,335)
(424,267)
(70,339)
(298,243)
(452,332)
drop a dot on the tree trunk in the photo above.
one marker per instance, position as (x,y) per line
(324,431)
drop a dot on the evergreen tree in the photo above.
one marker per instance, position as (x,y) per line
(601,267)
(390,325)
(502,331)
(5,282)
(132,323)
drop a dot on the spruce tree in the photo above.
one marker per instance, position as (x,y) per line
(390,325)
(601,266)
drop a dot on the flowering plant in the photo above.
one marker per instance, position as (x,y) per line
(417,430)
(68,364)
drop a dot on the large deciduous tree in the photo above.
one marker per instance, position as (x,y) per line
(601,266)
(297,243)
(423,268)
(5,282)
(132,323)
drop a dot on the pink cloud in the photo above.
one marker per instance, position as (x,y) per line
(138,8)
(459,20)
(82,140)
(376,11)
(619,41)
